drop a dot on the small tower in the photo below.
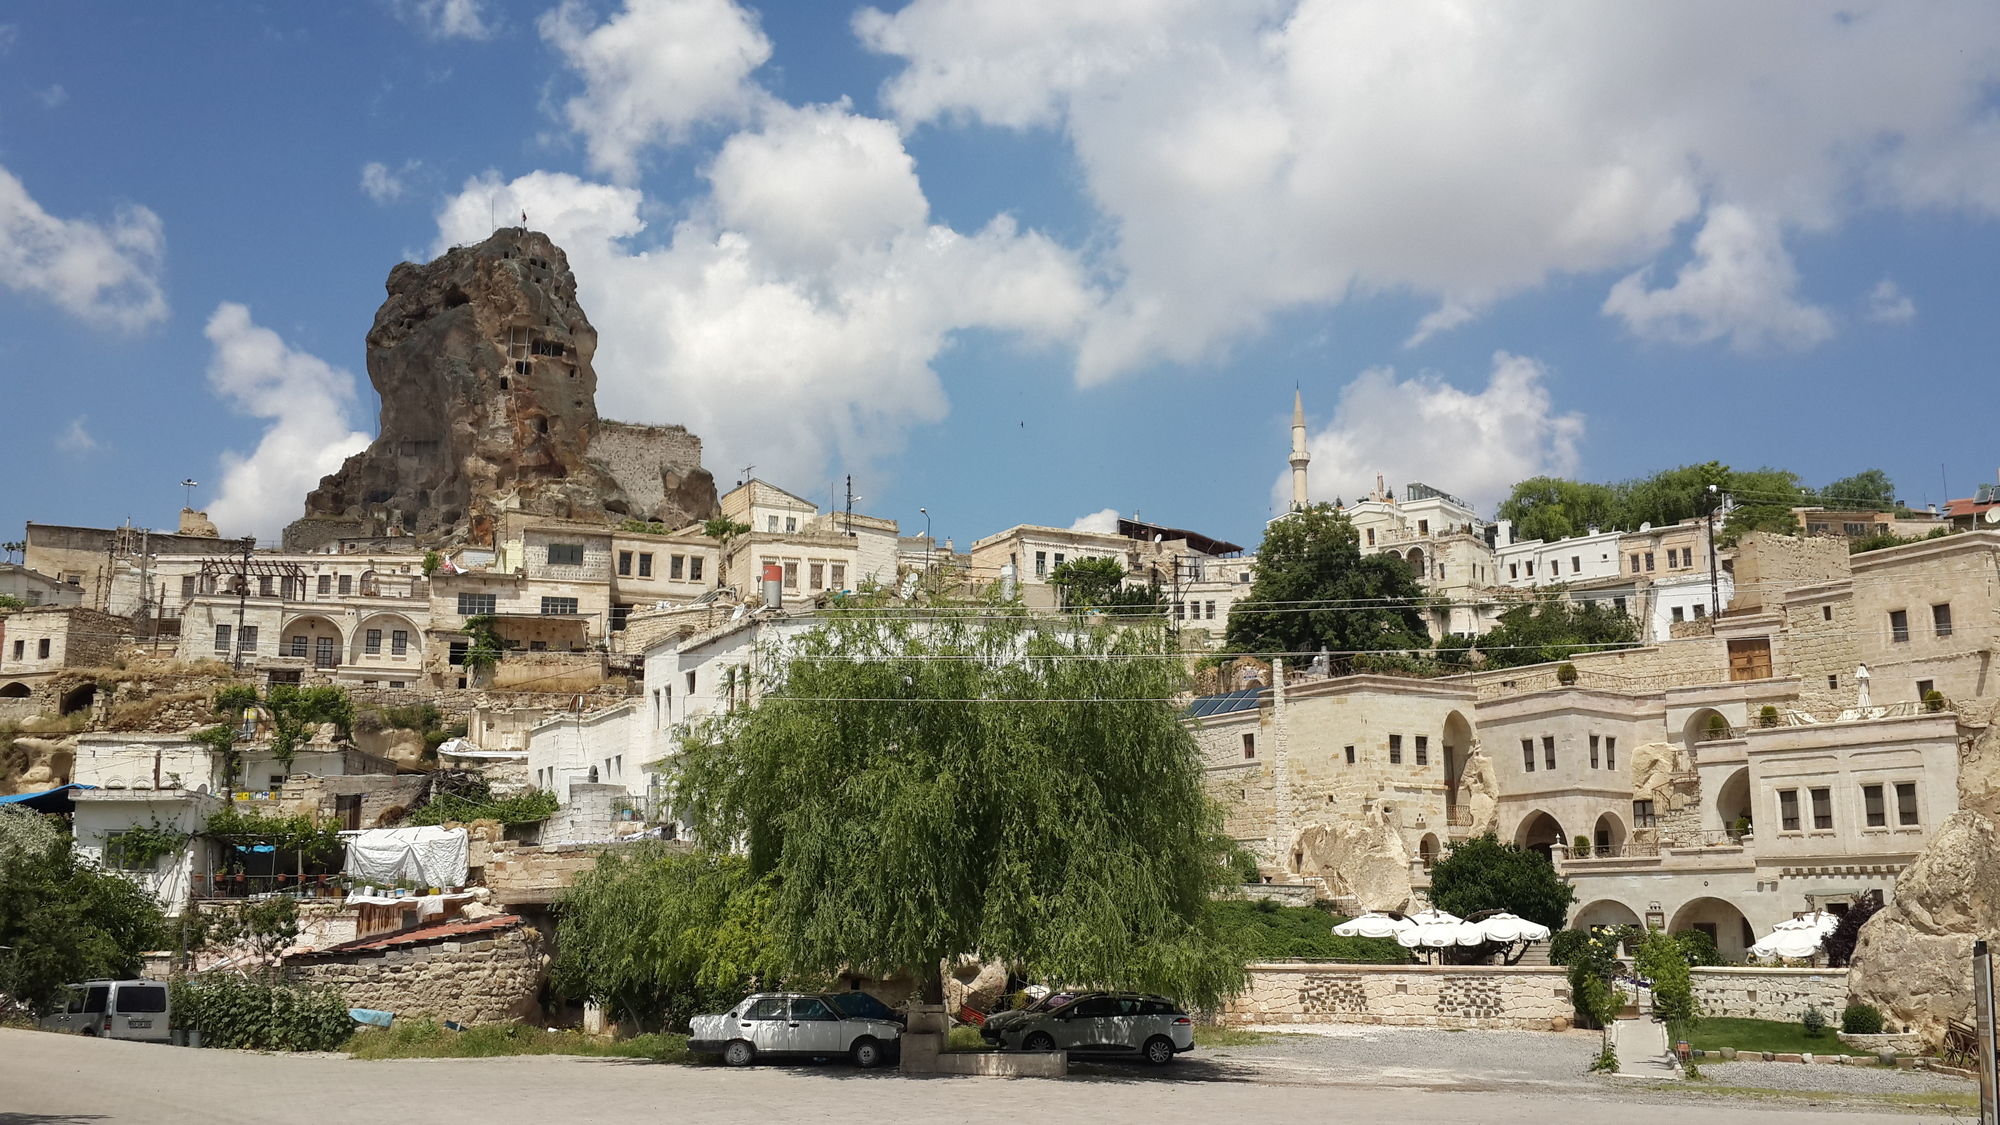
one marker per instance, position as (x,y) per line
(1299,455)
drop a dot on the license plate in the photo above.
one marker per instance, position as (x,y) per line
(139,1023)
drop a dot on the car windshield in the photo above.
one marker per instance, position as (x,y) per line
(1052,1001)
(859,1006)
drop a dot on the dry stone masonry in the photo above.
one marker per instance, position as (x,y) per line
(1457,996)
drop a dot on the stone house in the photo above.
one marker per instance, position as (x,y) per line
(32,587)
(813,552)
(39,643)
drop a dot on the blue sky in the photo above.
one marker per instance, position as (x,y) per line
(1023,261)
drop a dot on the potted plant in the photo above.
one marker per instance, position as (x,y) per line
(1566,673)
(1768,717)
(1742,828)
(1933,701)
(1580,847)
(1718,728)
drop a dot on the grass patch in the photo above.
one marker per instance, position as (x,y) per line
(424,1039)
(965,1039)
(1207,1036)
(1713,1034)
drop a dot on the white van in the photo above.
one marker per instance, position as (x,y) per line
(115,1009)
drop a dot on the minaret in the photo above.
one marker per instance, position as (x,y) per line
(1299,455)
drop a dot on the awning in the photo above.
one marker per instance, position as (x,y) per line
(426,856)
(57,800)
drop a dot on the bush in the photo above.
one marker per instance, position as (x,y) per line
(1861,1019)
(1660,960)
(1565,945)
(1933,701)
(260,1015)
(1839,945)
(1813,1021)
(1580,847)
(1718,727)
(1565,673)
(1741,827)
(1697,948)
(1266,930)
(1768,717)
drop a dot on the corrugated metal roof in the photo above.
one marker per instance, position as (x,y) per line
(1225,704)
(421,935)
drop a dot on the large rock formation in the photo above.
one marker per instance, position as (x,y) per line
(1914,959)
(1479,791)
(482,360)
(1362,858)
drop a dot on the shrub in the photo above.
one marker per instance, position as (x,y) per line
(1565,673)
(1861,1019)
(1933,701)
(1718,727)
(1580,846)
(1742,826)
(1607,1061)
(1768,717)
(1697,948)
(1813,1020)
(1565,945)
(260,1015)
(1839,945)
(1660,959)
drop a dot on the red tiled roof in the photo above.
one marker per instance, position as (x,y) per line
(1968,507)
(421,935)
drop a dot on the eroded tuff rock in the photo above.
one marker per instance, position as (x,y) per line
(1479,790)
(1364,858)
(482,359)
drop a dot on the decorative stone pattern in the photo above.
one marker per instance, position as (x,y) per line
(1737,992)
(1463,996)
(493,979)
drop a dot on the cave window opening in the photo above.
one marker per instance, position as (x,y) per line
(503,382)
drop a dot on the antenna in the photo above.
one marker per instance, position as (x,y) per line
(188,487)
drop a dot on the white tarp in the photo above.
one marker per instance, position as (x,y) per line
(427,905)
(429,856)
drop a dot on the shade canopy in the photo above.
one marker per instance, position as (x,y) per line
(1796,938)
(1434,929)
(1374,925)
(1508,929)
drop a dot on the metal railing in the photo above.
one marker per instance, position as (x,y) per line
(1618,851)
(1456,817)
(226,885)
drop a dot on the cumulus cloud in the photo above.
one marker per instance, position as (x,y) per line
(306,401)
(1888,304)
(75,438)
(1255,157)
(1104,522)
(104,274)
(1741,284)
(1473,444)
(654,71)
(793,316)
(384,184)
(447,19)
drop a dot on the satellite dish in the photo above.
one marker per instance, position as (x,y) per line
(1993,515)
(740,611)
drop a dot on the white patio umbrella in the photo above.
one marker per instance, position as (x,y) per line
(1509,928)
(1796,938)
(1435,929)
(1373,924)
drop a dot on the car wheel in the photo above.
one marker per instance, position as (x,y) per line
(739,1053)
(1039,1041)
(1159,1050)
(91,1032)
(867,1053)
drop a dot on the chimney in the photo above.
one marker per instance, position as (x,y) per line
(774,585)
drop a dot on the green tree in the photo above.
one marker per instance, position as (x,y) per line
(1550,628)
(1484,874)
(925,786)
(1553,508)
(1100,584)
(659,934)
(1764,502)
(64,919)
(722,529)
(1870,488)
(1661,959)
(1315,589)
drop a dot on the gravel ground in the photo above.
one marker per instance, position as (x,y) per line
(1424,1057)
(1833,1079)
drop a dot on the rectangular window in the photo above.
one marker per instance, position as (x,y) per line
(624,563)
(690,683)
(1643,815)
(677,567)
(221,640)
(792,575)
(1208,611)
(771,523)
(1619,605)
(346,584)
(1678,614)
(565,554)
(1822,805)
(1826,613)
(326,583)
(297,647)
(399,642)
(476,605)
(836,577)
(42,649)
(1371,537)
(1899,625)
(1871,805)
(1249,745)
(246,638)
(1041,564)
(694,568)
(20,650)
(791,523)
(372,642)
(1635,564)
(454,652)
(1395,749)
(1423,527)
(1180,610)
(323,655)
(263,585)
(1423,750)
(1059,558)
(557,607)
(1576,564)
(1788,810)
(1528,754)
(1610,753)
(1925,687)
(1513,570)
(1833,682)
(1548,752)
(187,586)
(646,564)
(1649,560)
(1941,619)
(1594,740)
(816,576)
(1350,755)
(1906,802)
(1531,568)
(1700,610)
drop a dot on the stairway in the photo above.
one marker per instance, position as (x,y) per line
(1536,956)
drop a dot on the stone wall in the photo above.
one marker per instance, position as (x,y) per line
(1738,992)
(659,469)
(1452,996)
(491,977)
(1768,565)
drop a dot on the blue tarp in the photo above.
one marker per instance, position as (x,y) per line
(55,800)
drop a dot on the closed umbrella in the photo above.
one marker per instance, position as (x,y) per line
(1509,929)
(1375,925)
(1797,938)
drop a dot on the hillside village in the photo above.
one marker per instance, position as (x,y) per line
(480,648)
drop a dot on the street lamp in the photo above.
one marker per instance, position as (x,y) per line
(1714,597)
(926,513)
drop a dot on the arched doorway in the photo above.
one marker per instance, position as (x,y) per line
(15,690)
(1427,850)
(385,638)
(1540,833)
(1457,743)
(1604,912)
(1608,836)
(1416,561)
(1732,800)
(77,699)
(1701,727)
(313,639)
(1720,920)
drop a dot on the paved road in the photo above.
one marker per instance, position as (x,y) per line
(65,1080)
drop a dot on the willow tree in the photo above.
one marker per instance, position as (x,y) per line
(923,785)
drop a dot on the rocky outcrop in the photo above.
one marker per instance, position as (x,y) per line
(482,360)
(1914,959)
(1363,859)
(1479,790)
(30,764)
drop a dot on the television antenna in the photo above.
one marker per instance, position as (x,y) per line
(188,486)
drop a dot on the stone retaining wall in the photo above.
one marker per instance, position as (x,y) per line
(1482,996)
(1742,992)
(492,978)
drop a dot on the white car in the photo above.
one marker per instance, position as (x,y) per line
(1130,1024)
(822,1025)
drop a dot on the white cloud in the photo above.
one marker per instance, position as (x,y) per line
(654,71)
(1447,316)
(1888,304)
(384,184)
(75,438)
(8,33)
(1104,522)
(1254,157)
(1474,445)
(1741,284)
(447,19)
(306,400)
(52,97)
(105,274)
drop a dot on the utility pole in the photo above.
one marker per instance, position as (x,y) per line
(1714,586)
(850,505)
(242,603)
(1983,1018)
